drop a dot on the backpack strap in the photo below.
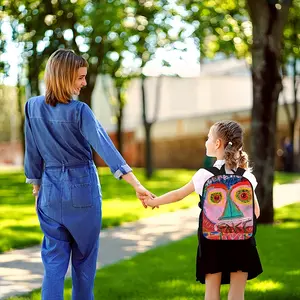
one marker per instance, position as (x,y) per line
(222,170)
(216,171)
(213,170)
(240,171)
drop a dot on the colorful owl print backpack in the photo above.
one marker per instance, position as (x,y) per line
(227,206)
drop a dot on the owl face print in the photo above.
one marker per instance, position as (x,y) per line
(228,200)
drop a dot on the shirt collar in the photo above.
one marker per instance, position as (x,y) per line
(219,163)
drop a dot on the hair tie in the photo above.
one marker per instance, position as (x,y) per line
(230,143)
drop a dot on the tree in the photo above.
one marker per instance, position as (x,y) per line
(20,108)
(268,19)
(97,30)
(153,23)
(148,123)
(117,102)
(291,58)
(255,32)
(44,26)
(4,66)
(220,27)
(114,65)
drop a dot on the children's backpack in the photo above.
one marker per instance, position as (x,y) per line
(227,206)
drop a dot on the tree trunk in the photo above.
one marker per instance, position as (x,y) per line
(148,151)
(22,118)
(296,113)
(120,121)
(268,23)
(33,75)
(86,93)
(147,126)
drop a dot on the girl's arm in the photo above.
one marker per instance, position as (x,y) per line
(172,196)
(256,207)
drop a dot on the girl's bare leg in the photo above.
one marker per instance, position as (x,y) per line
(212,286)
(237,285)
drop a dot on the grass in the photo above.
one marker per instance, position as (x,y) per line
(167,272)
(282,178)
(19,226)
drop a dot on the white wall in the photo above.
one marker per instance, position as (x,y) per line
(181,99)
(101,102)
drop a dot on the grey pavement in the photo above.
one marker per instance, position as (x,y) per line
(21,271)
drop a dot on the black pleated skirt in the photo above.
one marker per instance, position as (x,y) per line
(226,257)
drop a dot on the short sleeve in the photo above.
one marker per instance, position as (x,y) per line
(251,178)
(199,179)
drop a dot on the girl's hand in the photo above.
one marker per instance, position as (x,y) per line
(151,202)
(143,193)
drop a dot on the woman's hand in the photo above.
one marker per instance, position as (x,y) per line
(142,193)
(36,208)
(35,192)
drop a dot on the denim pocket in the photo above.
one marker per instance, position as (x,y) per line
(44,198)
(81,195)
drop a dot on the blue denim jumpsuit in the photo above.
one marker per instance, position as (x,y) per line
(58,157)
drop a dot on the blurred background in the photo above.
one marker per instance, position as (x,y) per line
(161,72)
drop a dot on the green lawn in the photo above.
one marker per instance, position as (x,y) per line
(282,178)
(19,225)
(167,272)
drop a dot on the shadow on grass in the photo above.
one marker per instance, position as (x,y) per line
(21,229)
(22,237)
(116,221)
(168,272)
(119,203)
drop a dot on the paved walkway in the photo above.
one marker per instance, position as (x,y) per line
(21,270)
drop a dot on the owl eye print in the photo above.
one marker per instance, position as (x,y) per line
(242,194)
(215,197)
(228,201)
(216,194)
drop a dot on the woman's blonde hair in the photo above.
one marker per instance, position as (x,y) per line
(231,133)
(60,75)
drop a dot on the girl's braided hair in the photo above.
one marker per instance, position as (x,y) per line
(231,133)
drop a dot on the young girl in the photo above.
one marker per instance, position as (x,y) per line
(219,261)
(59,134)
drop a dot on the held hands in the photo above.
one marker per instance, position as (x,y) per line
(144,194)
(151,202)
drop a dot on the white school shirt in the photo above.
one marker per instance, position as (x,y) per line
(202,175)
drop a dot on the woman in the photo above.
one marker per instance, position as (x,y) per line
(59,134)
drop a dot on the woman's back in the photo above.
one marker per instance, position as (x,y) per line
(56,131)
